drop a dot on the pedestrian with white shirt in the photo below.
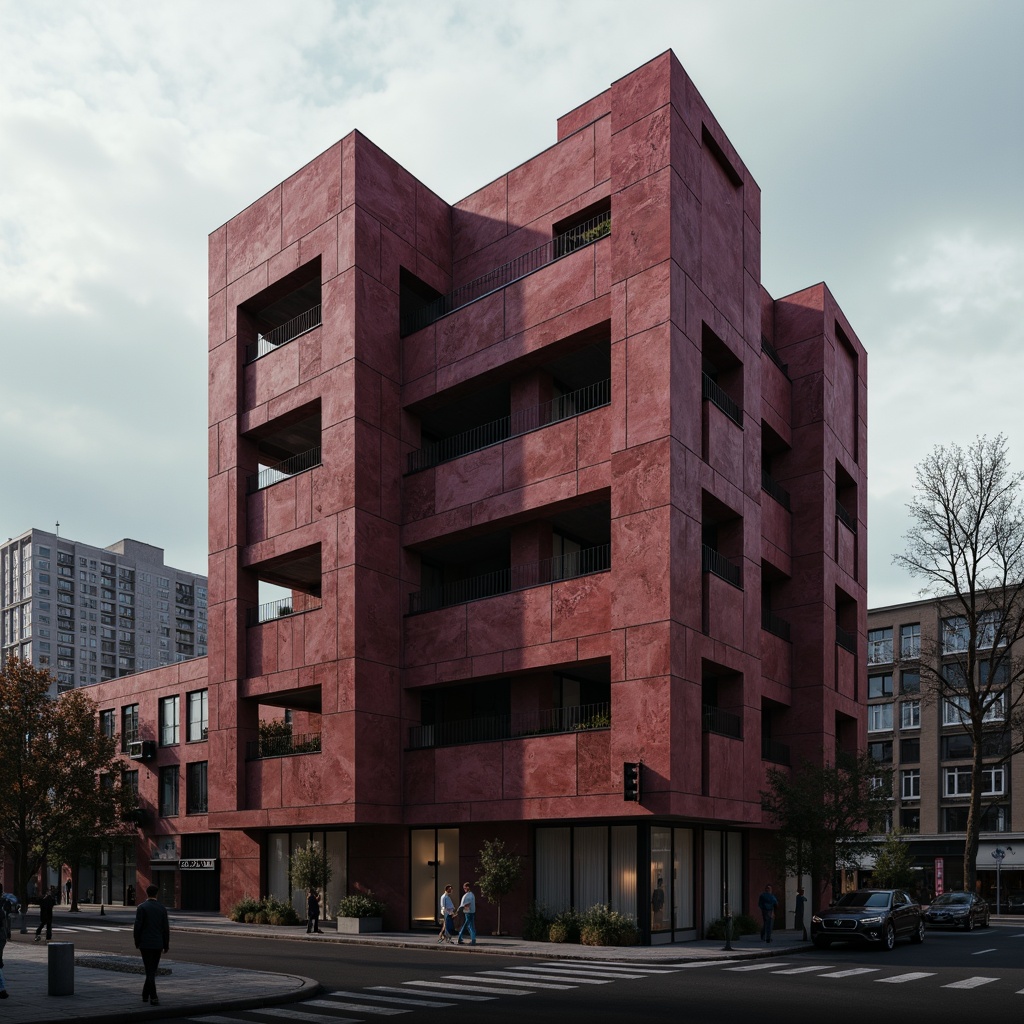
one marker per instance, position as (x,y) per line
(468,908)
(447,907)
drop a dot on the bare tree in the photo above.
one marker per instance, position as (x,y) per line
(966,543)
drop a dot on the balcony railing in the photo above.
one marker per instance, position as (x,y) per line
(846,639)
(506,727)
(714,394)
(280,610)
(771,623)
(775,489)
(517,577)
(282,746)
(561,245)
(719,565)
(769,350)
(845,518)
(772,750)
(722,723)
(520,422)
(273,340)
(284,470)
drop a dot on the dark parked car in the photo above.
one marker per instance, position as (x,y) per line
(957,910)
(875,917)
(1013,904)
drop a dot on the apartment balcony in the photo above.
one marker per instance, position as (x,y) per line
(561,245)
(284,470)
(282,746)
(273,339)
(772,750)
(286,606)
(503,727)
(721,723)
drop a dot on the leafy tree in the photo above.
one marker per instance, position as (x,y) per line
(499,872)
(966,543)
(894,863)
(310,868)
(825,815)
(53,756)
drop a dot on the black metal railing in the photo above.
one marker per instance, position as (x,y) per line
(516,577)
(714,394)
(846,639)
(718,565)
(722,723)
(772,750)
(771,486)
(523,421)
(281,609)
(282,746)
(273,340)
(561,245)
(284,470)
(772,353)
(506,727)
(845,518)
(771,623)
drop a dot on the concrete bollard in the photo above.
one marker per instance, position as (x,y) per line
(60,975)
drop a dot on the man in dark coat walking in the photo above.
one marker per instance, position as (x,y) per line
(46,915)
(152,936)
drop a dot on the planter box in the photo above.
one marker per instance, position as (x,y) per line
(358,925)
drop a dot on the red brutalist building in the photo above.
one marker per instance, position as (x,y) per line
(553,487)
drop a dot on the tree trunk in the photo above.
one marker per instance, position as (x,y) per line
(973,814)
(74,884)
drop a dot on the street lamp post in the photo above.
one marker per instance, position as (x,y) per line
(997,855)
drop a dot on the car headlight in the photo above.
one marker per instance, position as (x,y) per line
(870,920)
(815,919)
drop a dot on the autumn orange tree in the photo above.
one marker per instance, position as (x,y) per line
(59,775)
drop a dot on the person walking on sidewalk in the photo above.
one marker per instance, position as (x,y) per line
(447,908)
(5,924)
(312,912)
(152,936)
(766,903)
(46,915)
(798,915)
(67,892)
(468,908)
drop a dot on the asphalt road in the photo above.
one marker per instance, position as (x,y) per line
(953,974)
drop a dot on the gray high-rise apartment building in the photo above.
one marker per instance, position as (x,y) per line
(89,614)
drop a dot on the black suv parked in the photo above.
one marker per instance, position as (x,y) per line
(875,917)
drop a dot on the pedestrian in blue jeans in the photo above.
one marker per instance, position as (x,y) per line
(767,903)
(468,908)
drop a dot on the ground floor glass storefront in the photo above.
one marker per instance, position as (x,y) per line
(279,848)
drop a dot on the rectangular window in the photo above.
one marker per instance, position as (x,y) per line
(988,625)
(879,686)
(910,714)
(880,750)
(910,819)
(910,682)
(130,781)
(956,710)
(957,781)
(198,716)
(880,646)
(910,784)
(168,721)
(107,722)
(129,725)
(954,635)
(195,788)
(169,791)
(879,717)
(910,750)
(957,747)
(910,641)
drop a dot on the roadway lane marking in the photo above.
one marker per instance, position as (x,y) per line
(613,964)
(234,1020)
(852,972)
(471,988)
(898,979)
(299,1015)
(701,963)
(386,999)
(757,967)
(497,978)
(447,995)
(384,1011)
(597,973)
(980,951)
(971,983)
(570,979)
(804,970)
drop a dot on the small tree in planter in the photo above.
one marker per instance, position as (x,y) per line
(499,873)
(310,868)
(360,912)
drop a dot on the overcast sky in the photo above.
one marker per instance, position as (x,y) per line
(886,138)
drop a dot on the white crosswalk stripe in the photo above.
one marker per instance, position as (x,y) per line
(763,966)
(525,980)
(330,1003)
(473,988)
(390,999)
(446,995)
(806,970)
(899,979)
(596,973)
(214,1020)
(613,964)
(850,973)
(285,1014)
(975,982)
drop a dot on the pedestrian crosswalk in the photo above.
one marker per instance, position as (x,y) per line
(466,989)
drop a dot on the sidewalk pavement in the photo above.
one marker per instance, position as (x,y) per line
(104,992)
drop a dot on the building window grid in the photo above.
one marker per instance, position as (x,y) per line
(198,716)
(910,714)
(169,714)
(910,784)
(956,782)
(880,646)
(879,717)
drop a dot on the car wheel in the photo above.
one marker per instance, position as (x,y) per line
(969,923)
(889,938)
(985,925)
(820,943)
(918,934)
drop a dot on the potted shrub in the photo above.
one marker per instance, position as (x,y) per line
(361,912)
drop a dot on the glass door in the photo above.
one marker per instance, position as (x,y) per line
(434,863)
